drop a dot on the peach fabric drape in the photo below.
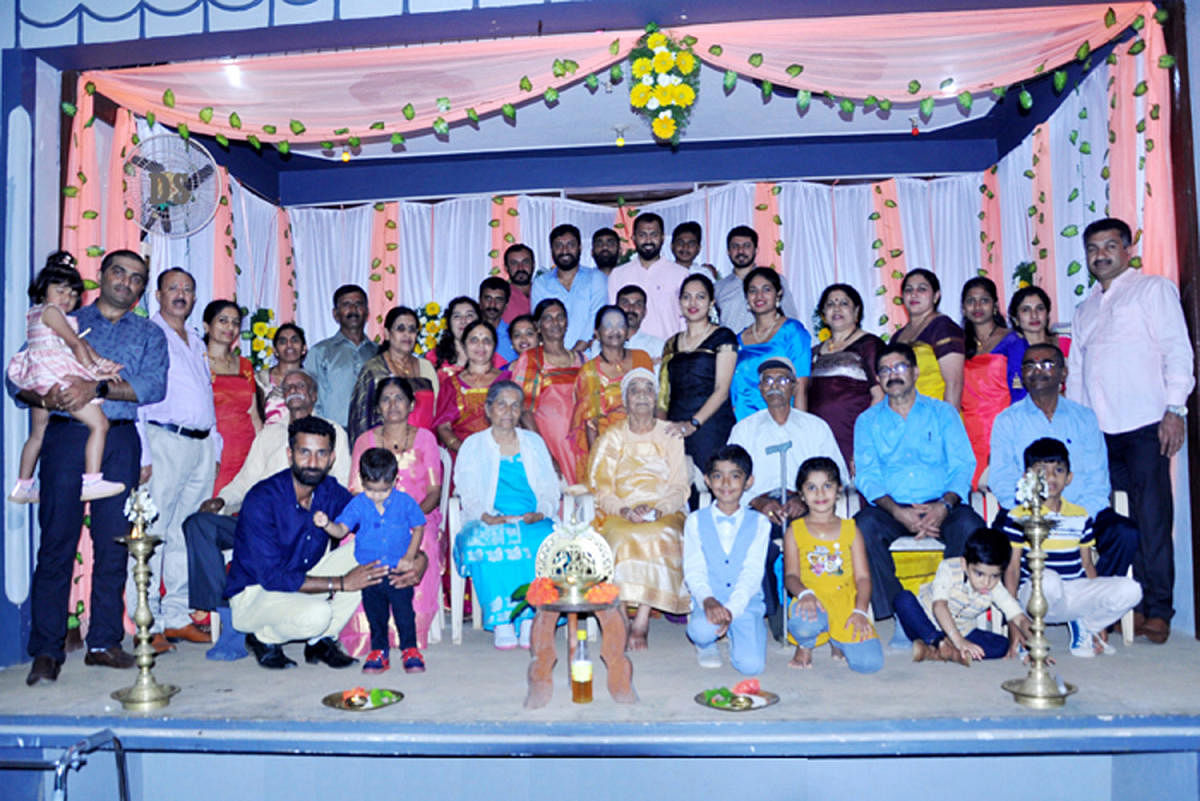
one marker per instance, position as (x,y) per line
(991,248)
(81,204)
(382,281)
(766,212)
(224,270)
(1044,232)
(1159,256)
(285,311)
(121,232)
(890,231)
(506,231)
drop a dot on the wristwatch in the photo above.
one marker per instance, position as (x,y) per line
(1179,410)
(695,422)
(102,389)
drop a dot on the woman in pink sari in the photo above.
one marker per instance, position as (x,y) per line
(420,475)
(547,375)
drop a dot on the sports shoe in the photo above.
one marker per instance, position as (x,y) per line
(24,492)
(100,488)
(413,663)
(377,662)
(327,650)
(1083,641)
(525,633)
(709,656)
(505,637)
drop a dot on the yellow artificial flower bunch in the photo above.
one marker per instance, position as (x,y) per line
(259,335)
(665,84)
(429,326)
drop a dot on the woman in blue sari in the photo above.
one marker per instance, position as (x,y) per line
(771,335)
(509,492)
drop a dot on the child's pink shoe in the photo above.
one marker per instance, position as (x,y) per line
(96,488)
(24,491)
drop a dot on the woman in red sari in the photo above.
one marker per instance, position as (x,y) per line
(547,375)
(419,475)
(462,394)
(234,388)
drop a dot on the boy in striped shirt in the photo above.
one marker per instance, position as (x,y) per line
(1075,595)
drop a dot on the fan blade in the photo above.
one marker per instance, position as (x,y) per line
(199,176)
(149,165)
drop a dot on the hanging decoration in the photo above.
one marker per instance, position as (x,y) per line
(260,333)
(666,82)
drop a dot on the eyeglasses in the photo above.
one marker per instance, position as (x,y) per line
(900,368)
(1040,364)
(776,380)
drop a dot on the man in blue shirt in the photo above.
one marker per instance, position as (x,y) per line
(914,464)
(284,583)
(140,347)
(582,290)
(494,293)
(1046,413)
(336,361)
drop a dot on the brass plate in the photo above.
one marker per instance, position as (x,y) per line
(759,701)
(335,700)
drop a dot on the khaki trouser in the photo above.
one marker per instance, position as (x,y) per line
(277,617)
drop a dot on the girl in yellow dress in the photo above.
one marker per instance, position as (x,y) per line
(825,563)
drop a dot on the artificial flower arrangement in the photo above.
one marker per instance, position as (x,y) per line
(260,332)
(666,81)
(543,591)
(429,327)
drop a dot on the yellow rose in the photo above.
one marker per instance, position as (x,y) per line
(639,95)
(432,309)
(257,344)
(683,95)
(656,40)
(664,95)
(663,61)
(663,126)
(686,62)
(641,66)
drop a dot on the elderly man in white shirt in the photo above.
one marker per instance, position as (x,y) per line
(806,435)
(1131,362)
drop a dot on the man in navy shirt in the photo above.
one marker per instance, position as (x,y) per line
(140,347)
(284,583)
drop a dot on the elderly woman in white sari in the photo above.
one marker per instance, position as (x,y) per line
(639,477)
(509,492)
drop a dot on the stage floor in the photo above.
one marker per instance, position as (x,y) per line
(1145,698)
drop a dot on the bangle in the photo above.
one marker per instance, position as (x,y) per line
(858,612)
(330,582)
(798,597)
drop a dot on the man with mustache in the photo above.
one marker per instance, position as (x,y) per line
(581,289)
(518,263)
(685,247)
(210,531)
(741,244)
(180,450)
(336,362)
(809,436)
(494,293)
(659,277)
(914,464)
(606,250)
(1131,362)
(284,582)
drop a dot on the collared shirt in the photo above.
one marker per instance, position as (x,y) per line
(1130,353)
(1075,426)
(810,436)
(588,292)
(189,398)
(735,312)
(335,364)
(504,346)
(950,584)
(382,537)
(268,455)
(1070,534)
(660,281)
(276,542)
(695,568)
(518,304)
(912,459)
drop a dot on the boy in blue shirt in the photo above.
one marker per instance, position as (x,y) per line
(389,525)
(1075,595)
(724,551)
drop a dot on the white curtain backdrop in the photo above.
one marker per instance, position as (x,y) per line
(539,215)
(255,234)
(809,254)
(954,226)
(853,233)
(692,207)
(415,276)
(461,240)
(912,197)
(332,247)
(728,206)
(1015,191)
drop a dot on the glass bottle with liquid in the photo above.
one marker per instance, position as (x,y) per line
(581,670)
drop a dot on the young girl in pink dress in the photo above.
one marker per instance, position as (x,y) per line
(56,351)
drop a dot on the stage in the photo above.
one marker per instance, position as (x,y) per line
(237,731)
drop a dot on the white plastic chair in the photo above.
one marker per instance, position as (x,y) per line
(435,626)
(1120,505)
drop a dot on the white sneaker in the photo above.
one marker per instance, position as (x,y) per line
(95,490)
(505,637)
(709,656)
(1083,641)
(526,633)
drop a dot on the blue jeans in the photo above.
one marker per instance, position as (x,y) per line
(862,657)
(747,637)
(918,626)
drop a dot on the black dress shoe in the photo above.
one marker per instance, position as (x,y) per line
(45,668)
(328,651)
(268,656)
(114,657)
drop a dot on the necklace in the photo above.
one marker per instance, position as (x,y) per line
(690,343)
(763,336)
(402,444)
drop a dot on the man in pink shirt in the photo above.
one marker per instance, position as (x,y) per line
(1131,362)
(518,263)
(660,278)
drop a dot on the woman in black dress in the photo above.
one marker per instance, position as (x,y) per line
(697,367)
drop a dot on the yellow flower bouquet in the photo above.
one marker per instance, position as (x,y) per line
(429,327)
(666,83)
(259,334)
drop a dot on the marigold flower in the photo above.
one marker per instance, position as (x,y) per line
(257,344)
(824,334)
(639,95)
(541,591)
(663,125)
(259,329)
(664,95)
(685,61)
(641,66)
(431,327)
(663,61)
(656,40)
(602,593)
(432,309)
(684,95)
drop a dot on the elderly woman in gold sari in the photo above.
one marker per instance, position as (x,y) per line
(639,477)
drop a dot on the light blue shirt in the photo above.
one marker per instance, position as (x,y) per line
(335,364)
(912,459)
(1075,426)
(504,347)
(589,291)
